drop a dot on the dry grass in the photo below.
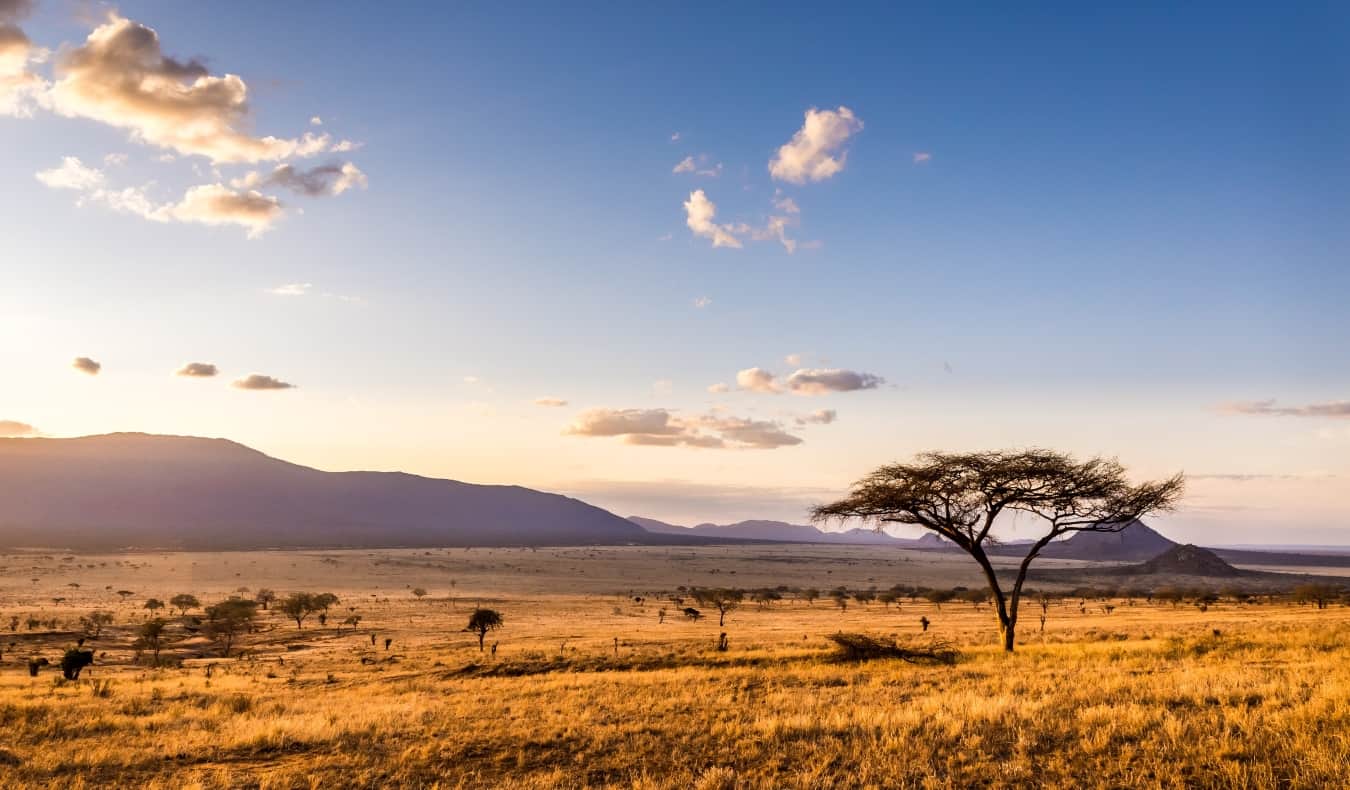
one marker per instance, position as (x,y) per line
(1145,696)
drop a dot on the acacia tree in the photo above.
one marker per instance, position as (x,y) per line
(183,602)
(151,637)
(265,597)
(482,621)
(721,599)
(960,496)
(298,606)
(228,619)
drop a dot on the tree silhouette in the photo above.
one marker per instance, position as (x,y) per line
(154,604)
(722,599)
(265,597)
(960,496)
(482,621)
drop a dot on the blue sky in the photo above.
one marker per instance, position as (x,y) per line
(1126,232)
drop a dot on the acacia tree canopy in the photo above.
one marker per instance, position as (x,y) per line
(960,496)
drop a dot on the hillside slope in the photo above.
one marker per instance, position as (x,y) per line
(119,490)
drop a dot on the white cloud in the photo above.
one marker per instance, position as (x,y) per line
(71,174)
(121,77)
(921,156)
(685,165)
(675,137)
(662,428)
(702,302)
(115,159)
(699,215)
(756,380)
(785,204)
(291,289)
(210,204)
(815,152)
(719,388)
(316,121)
(697,166)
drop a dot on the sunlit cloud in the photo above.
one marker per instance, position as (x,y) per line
(87,365)
(1339,409)
(257,381)
(700,214)
(120,76)
(819,417)
(209,204)
(816,152)
(756,380)
(21,90)
(719,388)
(197,370)
(552,403)
(13,429)
(663,428)
(698,165)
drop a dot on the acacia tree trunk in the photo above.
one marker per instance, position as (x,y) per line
(1007,618)
(481,634)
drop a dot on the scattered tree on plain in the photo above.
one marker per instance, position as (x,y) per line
(154,604)
(183,602)
(151,637)
(227,620)
(265,597)
(960,496)
(482,621)
(722,599)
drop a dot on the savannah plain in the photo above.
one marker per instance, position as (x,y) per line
(588,685)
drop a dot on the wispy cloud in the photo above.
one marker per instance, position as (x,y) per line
(702,302)
(257,381)
(291,289)
(700,216)
(698,165)
(922,156)
(819,417)
(552,403)
(331,179)
(208,204)
(1333,409)
(816,152)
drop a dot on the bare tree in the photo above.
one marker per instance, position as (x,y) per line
(960,496)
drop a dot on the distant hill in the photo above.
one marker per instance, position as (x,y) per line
(123,490)
(1187,560)
(775,531)
(1135,543)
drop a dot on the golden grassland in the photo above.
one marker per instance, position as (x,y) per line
(588,689)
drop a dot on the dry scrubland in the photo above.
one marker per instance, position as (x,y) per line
(1239,695)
